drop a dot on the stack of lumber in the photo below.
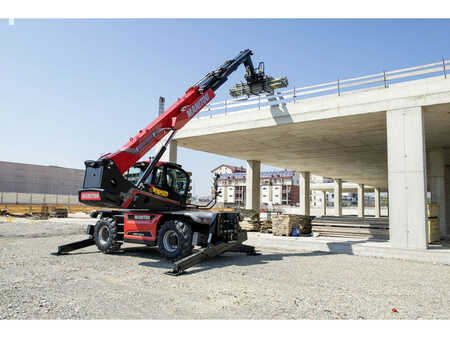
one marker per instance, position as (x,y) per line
(282,224)
(351,226)
(250,220)
(433,221)
(266,226)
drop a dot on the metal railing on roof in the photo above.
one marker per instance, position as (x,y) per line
(379,80)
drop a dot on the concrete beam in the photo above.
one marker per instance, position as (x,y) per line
(377,203)
(252,182)
(437,185)
(407,178)
(305,191)
(338,197)
(361,202)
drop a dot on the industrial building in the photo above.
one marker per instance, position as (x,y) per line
(39,179)
(22,183)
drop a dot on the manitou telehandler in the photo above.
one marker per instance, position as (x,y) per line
(148,201)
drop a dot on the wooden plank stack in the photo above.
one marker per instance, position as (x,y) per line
(433,222)
(250,220)
(282,224)
(266,226)
(351,226)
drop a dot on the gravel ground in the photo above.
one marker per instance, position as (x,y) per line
(275,285)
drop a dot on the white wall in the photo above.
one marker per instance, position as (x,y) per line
(276,194)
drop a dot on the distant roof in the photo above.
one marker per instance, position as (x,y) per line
(233,168)
(264,174)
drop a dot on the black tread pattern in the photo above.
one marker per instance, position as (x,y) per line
(112,244)
(185,237)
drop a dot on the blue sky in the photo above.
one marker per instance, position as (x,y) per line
(71,90)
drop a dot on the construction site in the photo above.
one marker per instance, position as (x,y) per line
(354,223)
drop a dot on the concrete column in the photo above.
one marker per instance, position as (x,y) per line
(305,205)
(407,178)
(361,202)
(171,152)
(437,185)
(253,185)
(377,202)
(338,197)
(324,202)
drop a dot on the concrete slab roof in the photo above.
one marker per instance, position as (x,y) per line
(333,136)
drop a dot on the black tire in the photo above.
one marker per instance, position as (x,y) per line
(106,235)
(175,239)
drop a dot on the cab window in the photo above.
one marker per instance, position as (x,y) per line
(177,181)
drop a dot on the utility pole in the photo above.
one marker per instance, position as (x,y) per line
(162,102)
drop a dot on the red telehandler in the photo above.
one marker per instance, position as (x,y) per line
(148,201)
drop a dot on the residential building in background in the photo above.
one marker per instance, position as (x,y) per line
(277,187)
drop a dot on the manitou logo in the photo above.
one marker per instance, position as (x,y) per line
(143,218)
(195,108)
(90,196)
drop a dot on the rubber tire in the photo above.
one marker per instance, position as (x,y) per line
(112,244)
(184,231)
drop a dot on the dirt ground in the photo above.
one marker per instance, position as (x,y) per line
(275,285)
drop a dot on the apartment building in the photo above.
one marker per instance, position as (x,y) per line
(277,187)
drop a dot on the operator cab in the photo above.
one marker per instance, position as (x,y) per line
(167,180)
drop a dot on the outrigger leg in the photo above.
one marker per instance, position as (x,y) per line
(181,265)
(66,248)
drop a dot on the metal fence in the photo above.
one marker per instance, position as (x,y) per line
(338,87)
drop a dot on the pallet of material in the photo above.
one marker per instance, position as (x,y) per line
(282,224)
(368,228)
(434,233)
(266,226)
(250,220)
(355,222)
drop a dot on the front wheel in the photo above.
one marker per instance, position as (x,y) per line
(175,239)
(106,235)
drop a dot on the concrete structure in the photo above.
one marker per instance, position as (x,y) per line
(252,185)
(376,136)
(305,190)
(338,197)
(377,202)
(39,179)
(361,202)
(335,245)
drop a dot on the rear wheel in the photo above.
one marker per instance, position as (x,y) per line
(175,239)
(106,235)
